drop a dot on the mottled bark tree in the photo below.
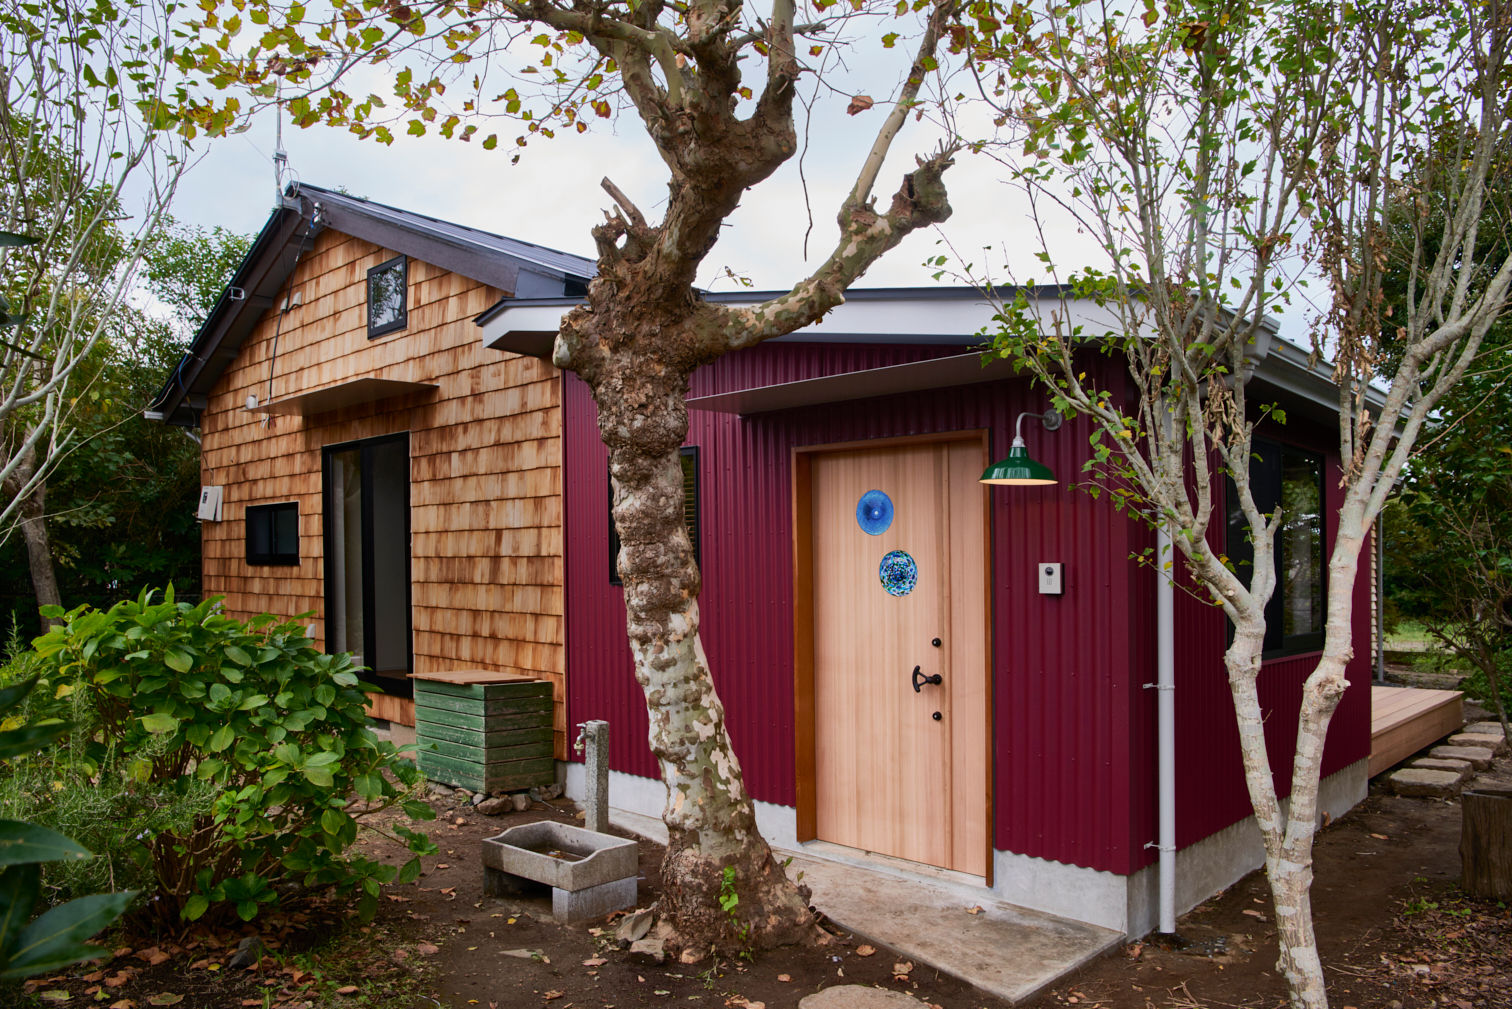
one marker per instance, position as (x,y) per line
(644,328)
(1216,152)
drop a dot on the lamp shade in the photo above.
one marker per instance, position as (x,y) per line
(1018,470)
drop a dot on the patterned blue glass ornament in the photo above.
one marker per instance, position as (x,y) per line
(874,513)
(899,573)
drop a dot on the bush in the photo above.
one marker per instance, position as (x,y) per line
(218,764)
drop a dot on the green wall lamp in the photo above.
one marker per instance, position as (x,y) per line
(1018,470)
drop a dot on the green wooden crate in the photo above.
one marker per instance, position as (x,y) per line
(488,736)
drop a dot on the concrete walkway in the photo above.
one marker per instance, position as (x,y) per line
(1007,951)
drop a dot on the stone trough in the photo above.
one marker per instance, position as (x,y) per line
(590,874)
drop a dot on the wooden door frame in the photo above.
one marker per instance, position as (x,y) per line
(804,713)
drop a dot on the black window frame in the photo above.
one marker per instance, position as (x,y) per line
(266,515)
(401,263)
(687,452)
(1268,465)
(391,686)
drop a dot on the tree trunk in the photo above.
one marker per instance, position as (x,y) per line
(1486,843)
(721,885)
(32,519)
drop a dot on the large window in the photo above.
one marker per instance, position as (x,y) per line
(273,533)
(1291,479)
(386,289)
(689,456)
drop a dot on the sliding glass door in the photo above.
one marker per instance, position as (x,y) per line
(367,556)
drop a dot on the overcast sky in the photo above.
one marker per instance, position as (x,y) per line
(552,197)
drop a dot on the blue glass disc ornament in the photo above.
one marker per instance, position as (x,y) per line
(899,573)
(874,513)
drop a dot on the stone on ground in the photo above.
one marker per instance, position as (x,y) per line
(1478,758)
(1422,782)
(495,806)
(1496,744)
(1484,728)
(855,996)
(1459,767)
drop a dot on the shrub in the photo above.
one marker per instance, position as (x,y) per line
(58,937)
(229,762)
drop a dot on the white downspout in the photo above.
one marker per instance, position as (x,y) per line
(1165,691)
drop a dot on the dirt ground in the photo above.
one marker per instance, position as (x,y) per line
(1395,933)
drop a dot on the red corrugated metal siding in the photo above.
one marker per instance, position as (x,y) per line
(1210,793)
(1063,681)
(1074,762)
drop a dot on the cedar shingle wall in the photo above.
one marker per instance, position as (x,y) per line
(485,464)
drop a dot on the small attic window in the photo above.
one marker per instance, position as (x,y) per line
(387,290)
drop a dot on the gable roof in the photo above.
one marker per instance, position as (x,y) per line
(303,212)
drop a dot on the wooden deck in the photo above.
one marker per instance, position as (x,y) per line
(1403,720)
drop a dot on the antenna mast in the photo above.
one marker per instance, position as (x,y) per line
(280,156)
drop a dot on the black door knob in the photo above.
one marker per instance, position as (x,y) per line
(937,716)
(936,642)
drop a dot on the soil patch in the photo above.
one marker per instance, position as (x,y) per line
(1395,933)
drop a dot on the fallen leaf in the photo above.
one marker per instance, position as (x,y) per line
(784,978)
(865,950)
(164,998)
(1253,913)
(347,989)
(55,995)
(860,103)
(597,961)
(427,949)
(126,1003)
(1380,837)
(902,968)
(443,865)
(548,996)
(400,955)
(974,909)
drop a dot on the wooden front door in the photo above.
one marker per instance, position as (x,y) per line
(899,597)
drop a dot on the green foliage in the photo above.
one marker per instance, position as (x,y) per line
(138,528)
(230,760)
(729,900)
(58,937)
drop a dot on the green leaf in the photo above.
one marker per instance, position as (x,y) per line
(30,738)
(157,722)
(12,695)
(320,776)
(21,843)
(195,907)
(223,737)
(246,910)
(417,810)
(325,758)
(178,660)
(332,821)
(53,940)
(409,871)
(236,655)
(20,886)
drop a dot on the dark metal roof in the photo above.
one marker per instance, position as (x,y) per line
(302,213)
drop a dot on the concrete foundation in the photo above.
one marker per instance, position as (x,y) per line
(1127,904)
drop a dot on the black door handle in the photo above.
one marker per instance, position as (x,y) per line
(919,679)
